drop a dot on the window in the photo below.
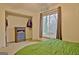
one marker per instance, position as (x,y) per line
(51,24)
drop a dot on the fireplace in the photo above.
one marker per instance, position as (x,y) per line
(20,34)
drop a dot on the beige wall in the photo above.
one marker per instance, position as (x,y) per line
(35,21)
(2,28)
(70,22)
(16,21)
(35,28)
(36,24)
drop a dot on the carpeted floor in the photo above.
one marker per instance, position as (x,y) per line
(51,47)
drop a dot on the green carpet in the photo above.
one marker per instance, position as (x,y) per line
(51,47)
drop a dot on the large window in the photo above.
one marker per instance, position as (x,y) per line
(49,25)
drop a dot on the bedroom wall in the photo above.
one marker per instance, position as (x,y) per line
(35,29)
(70,22)
(35,20)
(36,23)
(16,21)
(2,28)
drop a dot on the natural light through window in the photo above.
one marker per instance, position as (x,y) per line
(50,25)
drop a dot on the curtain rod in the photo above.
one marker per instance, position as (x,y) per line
(49,10)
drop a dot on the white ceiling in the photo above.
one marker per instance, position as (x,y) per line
(33,7)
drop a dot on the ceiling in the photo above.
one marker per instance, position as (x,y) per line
(33,7)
